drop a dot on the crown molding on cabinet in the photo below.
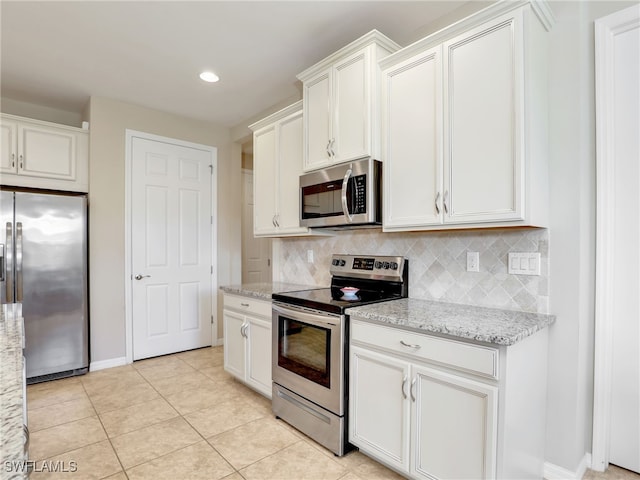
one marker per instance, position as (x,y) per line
(539,7)
(374,36)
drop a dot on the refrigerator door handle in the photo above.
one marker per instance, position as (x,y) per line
(3,265)
(18,261)
(9,263)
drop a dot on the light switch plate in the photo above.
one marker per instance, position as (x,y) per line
(524,263)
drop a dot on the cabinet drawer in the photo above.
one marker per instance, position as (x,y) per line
(248,305)
(475,359)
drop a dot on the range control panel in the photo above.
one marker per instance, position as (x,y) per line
(362,266)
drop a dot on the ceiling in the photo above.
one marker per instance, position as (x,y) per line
(150,53)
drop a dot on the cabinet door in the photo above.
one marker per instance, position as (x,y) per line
(234,343)
(455,422)
(46,152)
(259,354)
(412,142)
(379,406)
(8,147)
(317,119)
(289,170)
(265,177)
(352,108)
(484,127)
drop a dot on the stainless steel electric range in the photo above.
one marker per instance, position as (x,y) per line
(311,340)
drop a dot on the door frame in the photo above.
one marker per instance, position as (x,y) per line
(128,272)
(606,29)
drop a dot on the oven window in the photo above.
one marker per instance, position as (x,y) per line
(304,350)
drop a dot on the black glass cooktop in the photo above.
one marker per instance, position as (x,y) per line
(333,299)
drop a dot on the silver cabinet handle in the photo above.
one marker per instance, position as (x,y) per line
(244,304)
(273,220)
(404,382)
(243,330)
(21,158)
(327,148)
(140,277)
(9,263)
(13,159)
(277,220)
(409,345)
(437,201)
(18,261)
(444,201)
(413,384)
(345,207)
(331,143)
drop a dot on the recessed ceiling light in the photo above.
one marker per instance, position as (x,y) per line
(209,77)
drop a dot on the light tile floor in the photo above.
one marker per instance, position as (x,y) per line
(175,417)
(181,417)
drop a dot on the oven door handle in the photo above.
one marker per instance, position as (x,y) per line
(319,319)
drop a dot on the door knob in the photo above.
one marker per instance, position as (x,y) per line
(140,277)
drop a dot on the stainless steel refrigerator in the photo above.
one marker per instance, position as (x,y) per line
(43,265)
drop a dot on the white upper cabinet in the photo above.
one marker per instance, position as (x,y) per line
(44,155)
(412,141)
(464,124)
(483,117)
(341,103)
(277,152)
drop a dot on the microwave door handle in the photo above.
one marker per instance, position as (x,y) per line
(345,206)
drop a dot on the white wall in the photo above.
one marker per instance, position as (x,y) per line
(108,121)
(572,230)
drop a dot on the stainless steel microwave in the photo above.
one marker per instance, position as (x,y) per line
(344,195)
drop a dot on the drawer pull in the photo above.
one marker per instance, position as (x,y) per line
(244,304)
(409,345)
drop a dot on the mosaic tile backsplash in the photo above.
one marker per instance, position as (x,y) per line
(437,263)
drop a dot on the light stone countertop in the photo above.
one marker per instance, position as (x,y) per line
(489,325)
(265,290)
(11,396)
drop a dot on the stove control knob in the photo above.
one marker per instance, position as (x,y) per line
(394,266)
(335,262)
(378,265)
(342,263)
(385,265)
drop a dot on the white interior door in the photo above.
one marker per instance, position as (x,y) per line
(618,258)
(171,266)
(256,251)
(625,386)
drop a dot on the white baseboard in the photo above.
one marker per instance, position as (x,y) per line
(109,363)
(220,342)
(554,472)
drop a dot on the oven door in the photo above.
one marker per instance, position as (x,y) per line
(308,354)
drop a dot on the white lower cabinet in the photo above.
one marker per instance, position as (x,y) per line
(427,424)
(247,341)
(434,408)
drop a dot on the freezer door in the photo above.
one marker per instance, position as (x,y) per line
(6,247)
(51,280)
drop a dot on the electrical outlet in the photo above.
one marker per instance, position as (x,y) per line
(309,256)
(524,263)
(473,262)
